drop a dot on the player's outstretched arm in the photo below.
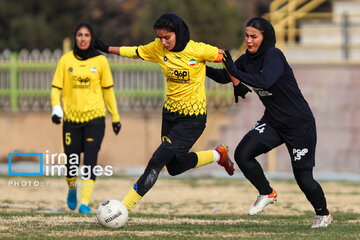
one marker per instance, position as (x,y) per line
(100,45)
(130,52)
(218,75)
(114,50)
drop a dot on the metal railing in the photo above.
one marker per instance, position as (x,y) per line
(26,77)
(340,29)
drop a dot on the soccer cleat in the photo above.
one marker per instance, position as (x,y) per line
(261,202)
(84,208)
(225,161)
(72,199)
(322,221)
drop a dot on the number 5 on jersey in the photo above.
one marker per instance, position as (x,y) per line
(68,138)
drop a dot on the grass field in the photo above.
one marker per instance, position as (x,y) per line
(177,209)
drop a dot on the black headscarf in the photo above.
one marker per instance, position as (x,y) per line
(91,51)
(268,33)
(174,23)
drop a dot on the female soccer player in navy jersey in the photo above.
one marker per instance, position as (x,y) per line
(287,119)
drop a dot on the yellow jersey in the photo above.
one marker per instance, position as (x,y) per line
(185,73)
(82,83)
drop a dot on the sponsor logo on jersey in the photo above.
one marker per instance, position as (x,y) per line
(178,75)
(165,59)
(70,69)
(262,93)
(93,70)
(192,62)
(298,153)
(81,81)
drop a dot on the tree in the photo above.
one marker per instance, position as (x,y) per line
(44,24)
(114,20)
(37,23)
(215,22)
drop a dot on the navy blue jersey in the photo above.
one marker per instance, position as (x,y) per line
(273,80)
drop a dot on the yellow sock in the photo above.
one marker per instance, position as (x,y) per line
(71,182)
(131,199)
(86,191)
(204,157)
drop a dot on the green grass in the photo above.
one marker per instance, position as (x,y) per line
(37,225)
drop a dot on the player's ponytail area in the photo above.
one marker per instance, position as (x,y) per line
(176,208)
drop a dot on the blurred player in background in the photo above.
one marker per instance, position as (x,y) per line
(287,119)
(83,76)
(183,62)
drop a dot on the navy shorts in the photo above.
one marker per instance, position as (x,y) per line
(301,143)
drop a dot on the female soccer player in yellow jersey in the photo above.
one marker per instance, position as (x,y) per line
(83,76)
(183,62)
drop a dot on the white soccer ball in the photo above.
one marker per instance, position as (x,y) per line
(112,213)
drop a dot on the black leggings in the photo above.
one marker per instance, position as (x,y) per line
(312,190)
(177,139)
(250,147)
(176,163)
(245,153)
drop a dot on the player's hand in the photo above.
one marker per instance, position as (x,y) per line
(55,119)
(227,60)
(98,44)
(240,90)
(57,114)
(116,127)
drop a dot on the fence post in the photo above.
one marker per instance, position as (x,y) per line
(272,160)
(66,45)
(14,78)
(345,33)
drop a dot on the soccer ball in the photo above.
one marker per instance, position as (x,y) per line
(112,214)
